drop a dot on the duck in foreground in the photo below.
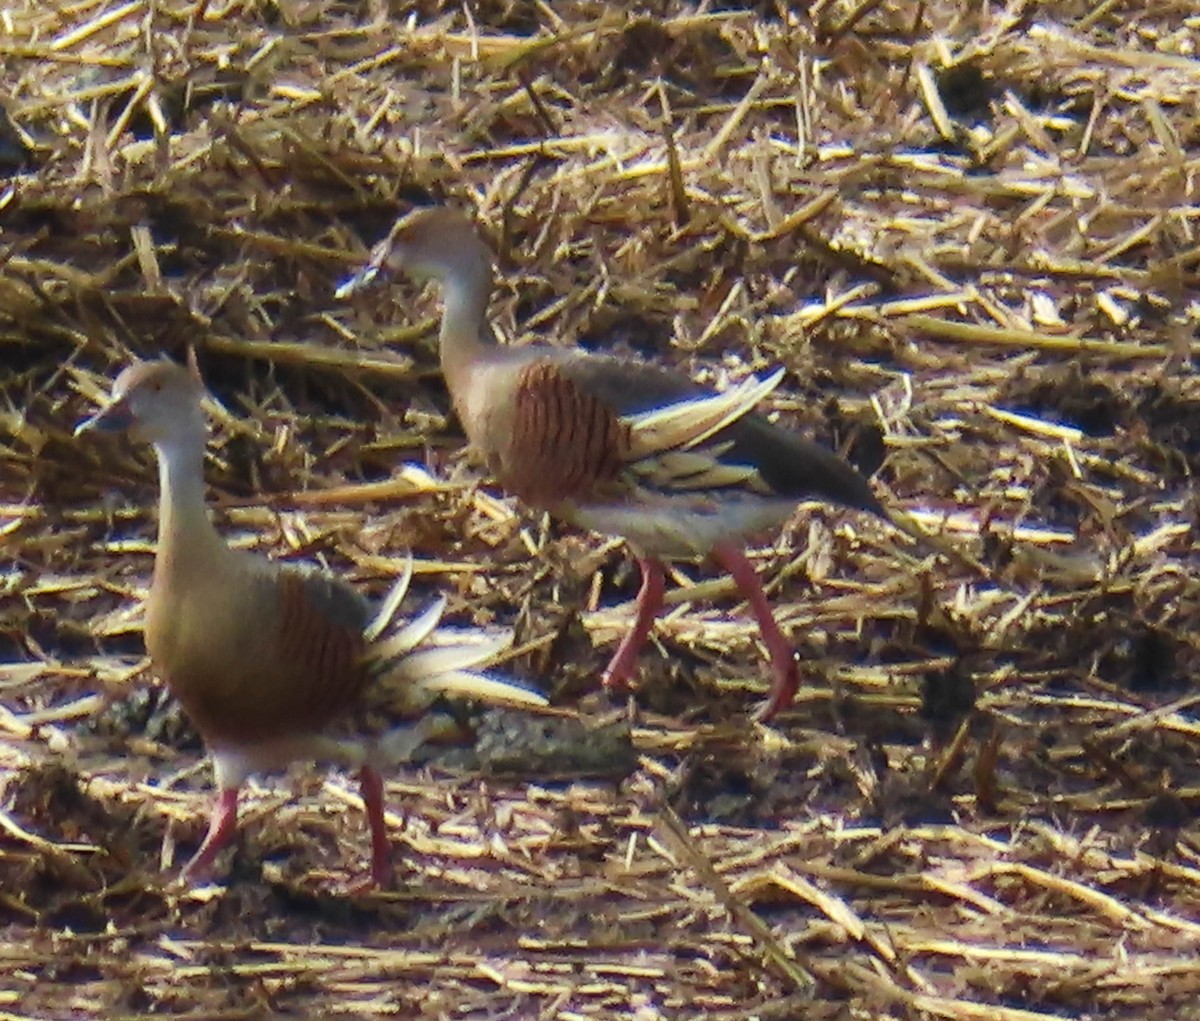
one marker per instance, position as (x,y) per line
(277,663)
(620,446)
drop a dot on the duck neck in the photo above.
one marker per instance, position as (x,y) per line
(186,536)
(465,335)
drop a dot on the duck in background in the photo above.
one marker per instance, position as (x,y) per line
(617,445)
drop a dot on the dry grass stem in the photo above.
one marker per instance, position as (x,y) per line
(968,233)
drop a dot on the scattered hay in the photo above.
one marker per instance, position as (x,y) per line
(969,236)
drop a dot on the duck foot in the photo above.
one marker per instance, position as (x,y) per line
(221,827)
(785,675)
(649,602)
(370,782)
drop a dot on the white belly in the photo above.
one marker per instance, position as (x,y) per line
(684,528)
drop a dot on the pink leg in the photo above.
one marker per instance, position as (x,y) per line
(785,677)
(649,602)
(371,783)
(220,828)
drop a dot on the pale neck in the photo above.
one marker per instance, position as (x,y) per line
(465,333)
(185,532)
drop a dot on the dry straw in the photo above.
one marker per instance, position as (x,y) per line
(968,232)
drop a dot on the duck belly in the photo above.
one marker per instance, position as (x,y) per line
(684,527)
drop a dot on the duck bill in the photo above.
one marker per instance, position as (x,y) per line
(116,417)
(386,255)
(359,282)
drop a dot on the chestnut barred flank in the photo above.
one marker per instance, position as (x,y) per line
(565,444)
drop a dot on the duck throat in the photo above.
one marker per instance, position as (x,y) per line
(185,534)
(465,335)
